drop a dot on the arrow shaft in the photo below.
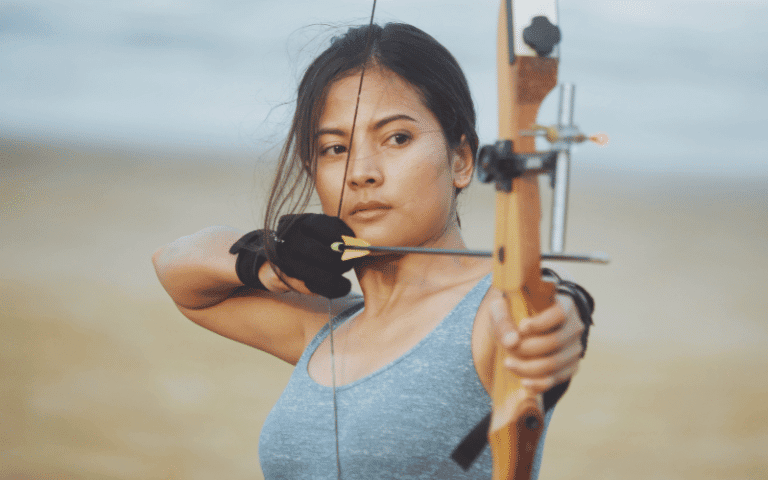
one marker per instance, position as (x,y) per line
(593,258)
(424,251)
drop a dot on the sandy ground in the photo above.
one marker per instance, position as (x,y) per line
(103,379)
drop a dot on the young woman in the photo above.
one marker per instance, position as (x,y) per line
(405,374)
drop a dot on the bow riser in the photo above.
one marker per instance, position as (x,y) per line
(523,83)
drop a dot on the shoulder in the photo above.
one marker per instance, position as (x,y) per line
(335,308)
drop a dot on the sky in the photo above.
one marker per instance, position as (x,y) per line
(680,86)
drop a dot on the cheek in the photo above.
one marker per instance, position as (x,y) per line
(435,174)
(429,187)
(328,186)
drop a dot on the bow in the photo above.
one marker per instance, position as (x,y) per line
(527,72)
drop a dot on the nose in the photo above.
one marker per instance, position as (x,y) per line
(364,169)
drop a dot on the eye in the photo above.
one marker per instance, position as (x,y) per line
(399,139)
(336,149)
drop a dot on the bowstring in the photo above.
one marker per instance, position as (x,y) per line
(338,215)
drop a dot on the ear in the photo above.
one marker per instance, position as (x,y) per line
(462,164)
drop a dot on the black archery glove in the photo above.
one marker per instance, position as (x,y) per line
(302,250)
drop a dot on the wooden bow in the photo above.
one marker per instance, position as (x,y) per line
(527,72)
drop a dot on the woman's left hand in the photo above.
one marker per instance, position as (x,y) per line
(543,350)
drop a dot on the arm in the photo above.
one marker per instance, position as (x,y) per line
(198,272)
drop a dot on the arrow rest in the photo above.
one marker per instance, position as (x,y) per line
(500,164)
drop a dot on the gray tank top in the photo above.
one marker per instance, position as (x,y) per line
(400,422)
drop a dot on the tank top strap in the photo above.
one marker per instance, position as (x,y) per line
(455,323)
(339,319)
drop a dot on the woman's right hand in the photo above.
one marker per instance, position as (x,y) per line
(270,277)
(304,259)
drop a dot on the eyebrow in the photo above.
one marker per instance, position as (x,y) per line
(376,126)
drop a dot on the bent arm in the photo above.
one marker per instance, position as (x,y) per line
(198,272)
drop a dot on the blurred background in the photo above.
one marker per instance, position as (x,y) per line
(126,124)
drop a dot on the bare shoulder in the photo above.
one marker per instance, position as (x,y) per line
(331,309)
(279,324)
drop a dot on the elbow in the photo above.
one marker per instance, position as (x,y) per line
(164,264)
(156,257)
(158,260)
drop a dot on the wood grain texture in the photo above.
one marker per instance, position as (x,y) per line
(517,419)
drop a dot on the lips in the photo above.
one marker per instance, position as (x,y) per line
(369,207)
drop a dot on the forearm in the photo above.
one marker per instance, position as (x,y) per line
(197,270)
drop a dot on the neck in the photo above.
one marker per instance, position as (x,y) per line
(394,282)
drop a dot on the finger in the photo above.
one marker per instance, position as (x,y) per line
(551,318)
(572,314)
(332,286)
(324,228)
(297,285)
(306,278)
(277,282)
(503,324)
(567,336)
(310,238)
(288,221)
(541,385)
(540,367)
(312,252)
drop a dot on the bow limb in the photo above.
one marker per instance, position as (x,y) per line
(525,77)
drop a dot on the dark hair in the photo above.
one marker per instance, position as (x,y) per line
(400,48)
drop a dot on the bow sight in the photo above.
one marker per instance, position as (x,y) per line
(499,163)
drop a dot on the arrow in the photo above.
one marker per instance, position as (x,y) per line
(353,247)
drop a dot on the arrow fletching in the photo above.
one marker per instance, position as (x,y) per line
(348,253)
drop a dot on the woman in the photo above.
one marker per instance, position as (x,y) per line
(405,374)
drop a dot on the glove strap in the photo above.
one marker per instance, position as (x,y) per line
(250,257)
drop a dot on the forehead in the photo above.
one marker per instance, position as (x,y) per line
(383,92)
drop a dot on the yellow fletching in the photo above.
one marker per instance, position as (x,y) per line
(351,254)
(357,242)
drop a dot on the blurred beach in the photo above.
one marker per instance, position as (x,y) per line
(102,378)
